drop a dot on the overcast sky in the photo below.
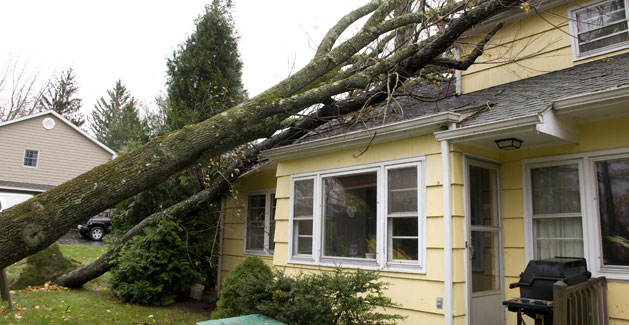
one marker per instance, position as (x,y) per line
(130,40)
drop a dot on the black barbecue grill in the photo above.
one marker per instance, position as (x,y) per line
(536,286)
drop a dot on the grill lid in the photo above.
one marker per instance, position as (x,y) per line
(537,280)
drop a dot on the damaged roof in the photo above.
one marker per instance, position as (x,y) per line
(506,101)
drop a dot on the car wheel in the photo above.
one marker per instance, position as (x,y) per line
(97,233)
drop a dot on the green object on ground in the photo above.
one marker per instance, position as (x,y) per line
(43,266)
(91,304)
(247,319)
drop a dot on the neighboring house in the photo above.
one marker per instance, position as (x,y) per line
(447,217)
(42,150)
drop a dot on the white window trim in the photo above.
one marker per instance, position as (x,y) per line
(592,249)
(267,223)
(36,160)
(381,262)
(611,271)
(574,41)
(529,202)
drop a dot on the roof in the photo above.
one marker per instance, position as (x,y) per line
(61,118)
(512,100)
(25,187)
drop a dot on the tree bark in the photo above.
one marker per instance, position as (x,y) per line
(94,269)
(36,223)
(78,277)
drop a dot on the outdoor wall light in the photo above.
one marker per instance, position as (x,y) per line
(509,144)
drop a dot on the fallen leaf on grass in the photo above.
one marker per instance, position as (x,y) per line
(48,286)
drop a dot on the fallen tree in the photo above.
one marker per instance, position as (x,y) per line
(38,222)
(244,163)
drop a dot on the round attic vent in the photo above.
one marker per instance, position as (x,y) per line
(48,123)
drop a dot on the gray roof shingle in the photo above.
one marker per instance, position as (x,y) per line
(515,99)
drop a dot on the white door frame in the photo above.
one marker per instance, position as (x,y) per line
(469,160)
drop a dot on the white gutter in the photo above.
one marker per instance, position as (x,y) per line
(487,129)
(586,101)
(221,223)
(357,139)
(447,231)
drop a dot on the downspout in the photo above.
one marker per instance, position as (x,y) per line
(457,73)
(447,231)
(221,222)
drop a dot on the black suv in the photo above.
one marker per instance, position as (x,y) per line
(97,227)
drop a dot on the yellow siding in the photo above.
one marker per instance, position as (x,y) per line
(535,45)
(234,220)
(417,293)
(594,136)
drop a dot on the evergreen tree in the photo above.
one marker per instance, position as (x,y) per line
(116,122)
(204,74)
(59,97)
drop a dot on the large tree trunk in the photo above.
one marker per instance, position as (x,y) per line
(35,224)
(195,203)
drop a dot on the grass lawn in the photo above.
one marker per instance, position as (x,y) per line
(92,304)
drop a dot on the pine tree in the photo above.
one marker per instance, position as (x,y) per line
(204,74)
(60,98)
(116,122)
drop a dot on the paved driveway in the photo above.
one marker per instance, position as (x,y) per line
(73,238)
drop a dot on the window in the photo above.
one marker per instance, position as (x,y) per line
(612,185)
(599,28)
(30,158)
(402,214)
(260,224)
(369,216)
(557,228)
(580,207)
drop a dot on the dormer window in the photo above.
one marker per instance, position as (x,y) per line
(599,27)
(30,158)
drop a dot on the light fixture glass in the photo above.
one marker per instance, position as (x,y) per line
(509,144)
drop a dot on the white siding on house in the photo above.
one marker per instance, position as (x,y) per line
(8,200)
(64,153)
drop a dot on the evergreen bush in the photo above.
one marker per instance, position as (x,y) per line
(336,297)
(244,288)
(154,268)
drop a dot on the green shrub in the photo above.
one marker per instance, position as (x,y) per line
(244,288)
(154,268)
(43,266)
(337,297)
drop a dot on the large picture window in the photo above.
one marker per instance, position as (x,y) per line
(369,216)
(260,223)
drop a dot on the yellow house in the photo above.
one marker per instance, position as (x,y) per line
(451,200)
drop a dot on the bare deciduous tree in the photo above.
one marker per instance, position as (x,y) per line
(20,90)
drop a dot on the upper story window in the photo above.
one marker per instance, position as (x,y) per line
(260,224)
(30,158)
(366,216)
(599,27)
